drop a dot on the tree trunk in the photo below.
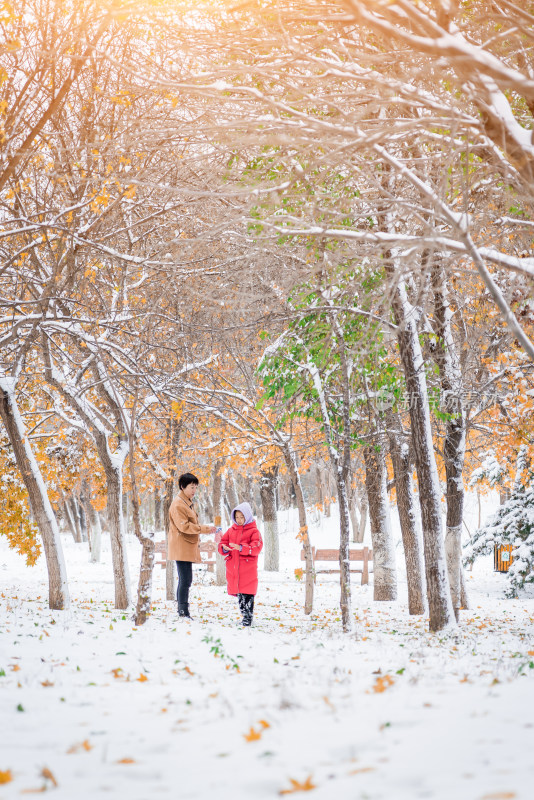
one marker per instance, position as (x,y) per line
(218,492)
(158,507)
(268,482)
(412,537)
(75,517)
(231,492)
(42,512)
(68,517)
(81,511)
(116,531)
(96,535)
(384,569)
(144,588)
(446,356)
(173,436)
(303,534)
(439,596)
(364,506)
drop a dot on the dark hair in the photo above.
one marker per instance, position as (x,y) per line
(187,478)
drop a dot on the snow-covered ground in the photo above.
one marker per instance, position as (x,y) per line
(207,709)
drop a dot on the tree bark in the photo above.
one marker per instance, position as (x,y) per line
(144,588)
(446,357)
(75,517)
(173,436)
(218,493)
(439,596)
(231,492)
(158,505)
(268,481)
(412,537)
(303,534)
(384,569)
(42,511)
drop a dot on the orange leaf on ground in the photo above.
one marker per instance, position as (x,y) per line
(6,776)
(142,678)
(46,683)
(264,723)
(189,671)
(361,770)
(48,776)
(297,786)
(252,736)
(126,761)
(499,796)
(117,672)
(382,683)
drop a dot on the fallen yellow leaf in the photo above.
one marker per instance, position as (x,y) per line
(142,678)
(499,796)
(296,786)
(252,736)
(264,723)
(46,683)
(48,776)
(6,776)
(126,761)
(382,683)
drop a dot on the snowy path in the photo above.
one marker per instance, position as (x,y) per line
(391,713)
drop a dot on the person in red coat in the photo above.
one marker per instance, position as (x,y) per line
(241,545)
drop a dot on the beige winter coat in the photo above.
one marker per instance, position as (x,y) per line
(184,531)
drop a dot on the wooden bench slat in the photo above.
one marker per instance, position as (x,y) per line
(365,555)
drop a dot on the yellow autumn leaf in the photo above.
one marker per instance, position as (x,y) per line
(252,736)
(499,796)
(297,786)
(264,724)
(142,678)
(126,761)
(6,776)
(382,683)
(46,683)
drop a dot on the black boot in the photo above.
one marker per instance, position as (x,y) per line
(246,606)
(183,610)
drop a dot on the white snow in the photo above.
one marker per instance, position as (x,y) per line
(455,722)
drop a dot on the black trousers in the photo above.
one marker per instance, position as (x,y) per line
(246,606)
(185,579)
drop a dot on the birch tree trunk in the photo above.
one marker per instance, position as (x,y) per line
(384,569)
(439,596)
(412,537)
(292,468)
(42,511)
(268,479)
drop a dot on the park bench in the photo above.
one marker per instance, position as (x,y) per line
(365,555)
(209,548)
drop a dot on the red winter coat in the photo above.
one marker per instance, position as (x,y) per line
(242,566)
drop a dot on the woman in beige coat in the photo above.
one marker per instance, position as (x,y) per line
(184,533)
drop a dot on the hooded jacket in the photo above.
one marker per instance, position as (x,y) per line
(242,566)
